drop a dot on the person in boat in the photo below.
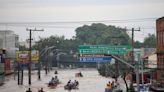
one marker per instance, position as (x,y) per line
(76,83)
(109,85)
(29,90)
(68,85)
(72,83)
(68,82)
(41,90)
(56,72)
(52,81)
(56,80)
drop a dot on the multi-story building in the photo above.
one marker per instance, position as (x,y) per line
(2,68)
(9,42)
(160,49)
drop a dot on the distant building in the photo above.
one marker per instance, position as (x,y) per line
(2,68)
(149,57)
(137,53)
(160,49)
(152,61)
(9,42)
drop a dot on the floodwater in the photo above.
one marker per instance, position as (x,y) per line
(91,82)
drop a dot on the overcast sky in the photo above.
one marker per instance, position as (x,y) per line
(78,10)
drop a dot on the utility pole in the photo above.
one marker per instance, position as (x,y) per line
(29,64)
(133,62)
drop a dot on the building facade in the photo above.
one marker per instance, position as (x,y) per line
(9,42)
(160,49)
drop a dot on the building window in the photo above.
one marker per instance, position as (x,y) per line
(158,39)
(163,37)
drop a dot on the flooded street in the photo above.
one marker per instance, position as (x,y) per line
(91,82)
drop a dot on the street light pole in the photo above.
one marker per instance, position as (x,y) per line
(48,50)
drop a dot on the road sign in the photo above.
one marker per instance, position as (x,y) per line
(104,46)
(106,49)
(95,59)
(91,55)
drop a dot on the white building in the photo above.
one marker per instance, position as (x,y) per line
(152,61)
(149,56)
(9,42)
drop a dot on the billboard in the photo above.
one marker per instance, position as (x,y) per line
(23,56)
(7,64)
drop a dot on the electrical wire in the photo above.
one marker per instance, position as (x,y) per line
(79,22)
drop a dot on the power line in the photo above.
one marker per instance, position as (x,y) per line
(79,22)
(45,26)
(60,27)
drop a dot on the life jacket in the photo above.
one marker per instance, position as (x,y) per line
(109,85)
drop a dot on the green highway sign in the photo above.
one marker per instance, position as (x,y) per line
(104,46)
(106,49)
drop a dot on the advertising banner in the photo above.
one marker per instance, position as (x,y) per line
(7,64)
(23,56)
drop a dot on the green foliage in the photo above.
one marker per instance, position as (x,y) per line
(68,47)
(102,69)
(106,69)
(50,41)
(23,48)
(94,34)
(138,44)
(150,41)
(102,34)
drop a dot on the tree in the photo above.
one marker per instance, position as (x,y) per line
(102,34)
(23,48)
(138,44)
(95,34)
(150,41)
